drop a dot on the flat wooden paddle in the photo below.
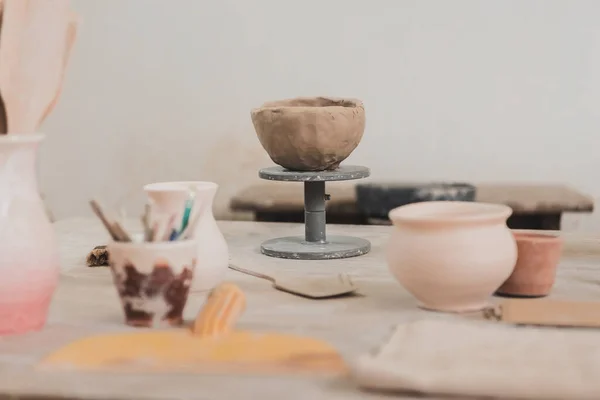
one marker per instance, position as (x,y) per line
(313,288)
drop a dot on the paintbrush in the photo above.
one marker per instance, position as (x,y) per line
(100,214)
(123,235)
(189,204)
(190,228)
(146,223)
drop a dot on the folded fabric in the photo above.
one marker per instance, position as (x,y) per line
(471,358)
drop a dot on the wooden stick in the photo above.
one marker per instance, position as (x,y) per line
(100,214)
(123,235)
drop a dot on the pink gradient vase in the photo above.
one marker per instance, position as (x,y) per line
(28,249)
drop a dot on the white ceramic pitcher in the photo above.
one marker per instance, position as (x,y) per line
(213,254)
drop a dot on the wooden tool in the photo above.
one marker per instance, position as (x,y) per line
(546,312)
(32,53)
(314,288)
(3,118)
(209,346)
(70,41)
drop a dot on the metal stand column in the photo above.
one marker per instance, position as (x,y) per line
(315,245)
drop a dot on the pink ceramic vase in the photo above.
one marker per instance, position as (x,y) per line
(28,248)
(213,254)
(451,256)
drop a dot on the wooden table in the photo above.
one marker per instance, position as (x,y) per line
(534,206)
(86,303)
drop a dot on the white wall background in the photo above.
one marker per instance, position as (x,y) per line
(462,90)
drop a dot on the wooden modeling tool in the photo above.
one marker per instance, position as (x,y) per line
(210,345)
(314,288)
(35,37)
(546,312)
(107,224)
(3,117)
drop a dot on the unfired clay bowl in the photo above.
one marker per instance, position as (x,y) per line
(310,133)
(535,272)
(451,255)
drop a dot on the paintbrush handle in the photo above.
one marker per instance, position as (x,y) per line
(100,214)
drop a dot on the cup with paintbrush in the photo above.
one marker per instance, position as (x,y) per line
(153,271)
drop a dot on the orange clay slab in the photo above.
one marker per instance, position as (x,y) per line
(209,346)
(182,351)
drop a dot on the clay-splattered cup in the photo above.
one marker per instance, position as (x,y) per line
(535,271)
(153,280)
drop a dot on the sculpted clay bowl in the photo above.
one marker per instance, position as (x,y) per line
(535,272)
(310,133)
(451,255)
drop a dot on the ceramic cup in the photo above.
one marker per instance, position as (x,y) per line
(535,272)
(153,280)
(451,255)
(169,198)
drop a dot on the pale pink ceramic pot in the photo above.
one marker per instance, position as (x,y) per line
(29,261)
(451,256)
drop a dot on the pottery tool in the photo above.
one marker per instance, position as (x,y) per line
(114,228)
(121,233)
(189,204)
(146,223)
(315,244)
(32,52)
(100,214)
(187,232)
(70,41)
(3,118)
(314,288)
(546,312)
(210,345)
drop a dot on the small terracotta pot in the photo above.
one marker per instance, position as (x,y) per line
(310,133)
(153,280)
(535,271)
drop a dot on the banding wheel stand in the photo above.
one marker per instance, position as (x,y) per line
(315,245)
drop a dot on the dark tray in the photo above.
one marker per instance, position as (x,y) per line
(376,200)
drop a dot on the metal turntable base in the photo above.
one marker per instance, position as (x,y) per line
(315,245)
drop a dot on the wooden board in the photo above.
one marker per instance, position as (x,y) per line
(523,198)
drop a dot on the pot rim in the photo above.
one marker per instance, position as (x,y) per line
(153,246)
(22,137)
(524,235)
(449,212)
(355,103)
(179,186)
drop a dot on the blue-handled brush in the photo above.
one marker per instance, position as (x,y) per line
(189,204)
